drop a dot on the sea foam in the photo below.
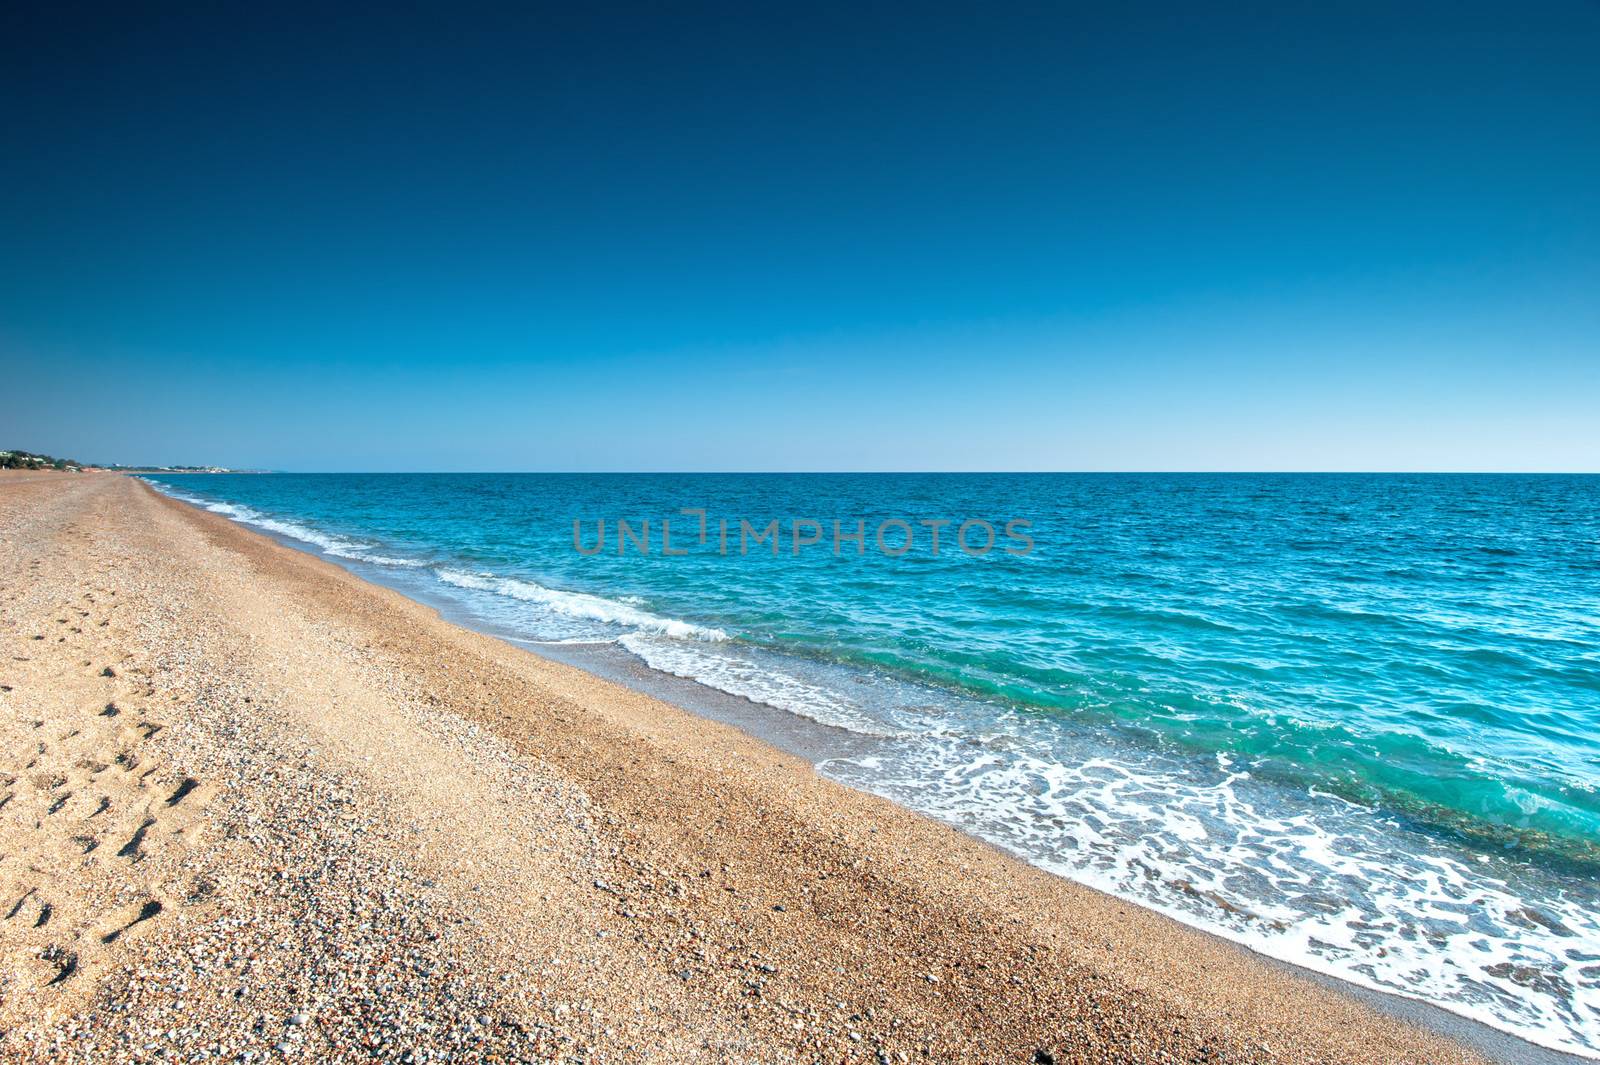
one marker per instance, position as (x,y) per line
(726,670)
(580,605)
(1311,878)
(338,546)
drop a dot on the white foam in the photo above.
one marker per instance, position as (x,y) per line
(580,605)
(338,546)
(1305,878)
(576,641)
(728,671)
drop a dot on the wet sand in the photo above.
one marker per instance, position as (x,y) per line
(255,805)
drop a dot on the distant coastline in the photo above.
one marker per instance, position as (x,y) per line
(17,459)
(175,469)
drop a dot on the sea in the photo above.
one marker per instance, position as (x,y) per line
(1349,721)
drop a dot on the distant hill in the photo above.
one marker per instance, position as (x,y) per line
(27,460)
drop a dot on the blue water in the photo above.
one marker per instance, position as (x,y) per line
(1350,720)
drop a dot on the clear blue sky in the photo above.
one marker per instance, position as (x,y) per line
(1274,236)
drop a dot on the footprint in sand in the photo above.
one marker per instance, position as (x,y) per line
(131,917)
(63,961)
(187,785)
(133,850)
(16,907)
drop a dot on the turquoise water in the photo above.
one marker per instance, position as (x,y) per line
(1350,720)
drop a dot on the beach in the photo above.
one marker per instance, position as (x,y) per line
(257,806)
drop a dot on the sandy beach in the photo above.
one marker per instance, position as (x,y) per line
(256,808)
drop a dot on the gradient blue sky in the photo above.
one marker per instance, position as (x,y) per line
(1274,236)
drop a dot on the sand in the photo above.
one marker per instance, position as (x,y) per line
(255,808)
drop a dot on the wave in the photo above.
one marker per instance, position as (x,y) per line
(338,546)
(1309,879)
(758,682)
(624,612)
(576,641)
(580,605)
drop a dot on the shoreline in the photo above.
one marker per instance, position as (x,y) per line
(947,948)
(816,741)
(692,696)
